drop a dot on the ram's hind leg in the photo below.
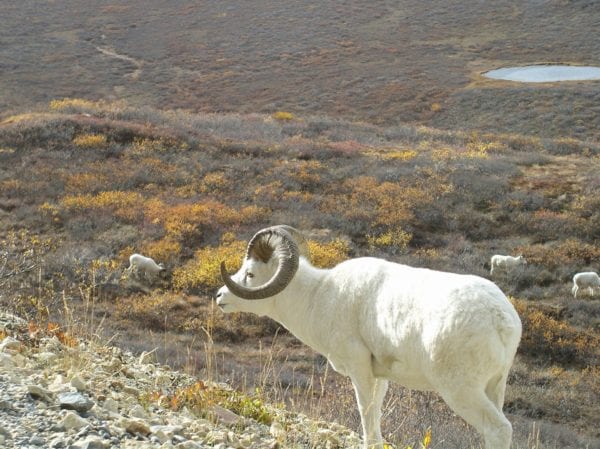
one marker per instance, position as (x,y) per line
(477,409)
(495,390)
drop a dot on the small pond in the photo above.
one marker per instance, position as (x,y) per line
(545,73)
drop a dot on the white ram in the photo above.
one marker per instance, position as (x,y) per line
(377,321)
(506,263)
(587,280)
(145,266)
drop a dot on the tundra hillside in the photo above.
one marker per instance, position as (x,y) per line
(83,185)
(384,62)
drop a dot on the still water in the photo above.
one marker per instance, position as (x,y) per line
(545,73)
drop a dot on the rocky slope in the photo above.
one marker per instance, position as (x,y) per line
(60,392)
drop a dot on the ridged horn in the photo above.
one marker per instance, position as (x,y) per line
(276,242)
(298,238)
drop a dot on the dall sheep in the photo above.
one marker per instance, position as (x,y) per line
(506,263)
(145,266)
(586,280)
(377,321)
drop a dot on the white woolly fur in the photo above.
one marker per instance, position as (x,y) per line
(377,320)
(586,280)
(506,263)
(145,266)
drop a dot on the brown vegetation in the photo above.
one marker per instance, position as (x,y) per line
(74,206)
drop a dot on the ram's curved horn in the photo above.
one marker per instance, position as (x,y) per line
(270,242)
(299,238)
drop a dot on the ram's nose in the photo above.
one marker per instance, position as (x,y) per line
(219,297)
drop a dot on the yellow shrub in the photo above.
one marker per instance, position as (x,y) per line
(90,141)
(14,185)
(283,116)
(142,146)
(162,250)
(51,211)
(386,203)
(67,103)
(126,205)
(556,341)
(304,172)
(203,271)
(443,154)
(215,182)
(477,150)
(86,182)
(400,155)
(296,196)
(182,220)
(398,238)
(431,253)
(327,255)
(269,192)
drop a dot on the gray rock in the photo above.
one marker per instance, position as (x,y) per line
(135,426)
(73,421)
(75,401)
(40,393)
(36,440)
(79,383)
(4,433)
(10,344)
(57,442)
(92,442)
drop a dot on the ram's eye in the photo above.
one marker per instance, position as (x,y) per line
(249,275)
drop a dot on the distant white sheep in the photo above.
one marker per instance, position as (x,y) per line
(377,321)
(587,280)
(145,266)
(506,263)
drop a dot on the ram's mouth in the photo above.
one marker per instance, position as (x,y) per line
(222,307)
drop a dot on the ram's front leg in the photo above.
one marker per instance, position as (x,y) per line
(370,392)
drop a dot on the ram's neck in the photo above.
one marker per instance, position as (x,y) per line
(294,307)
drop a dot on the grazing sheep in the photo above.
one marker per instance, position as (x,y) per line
(377,321)
(506,263)
(587,280)
(142,266)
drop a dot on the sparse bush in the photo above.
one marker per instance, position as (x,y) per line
(283,116)
(75,105)
(90,141)
(568,252)
(86,182)
(200,398)
(555,341)
(154,311)
(216,182)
